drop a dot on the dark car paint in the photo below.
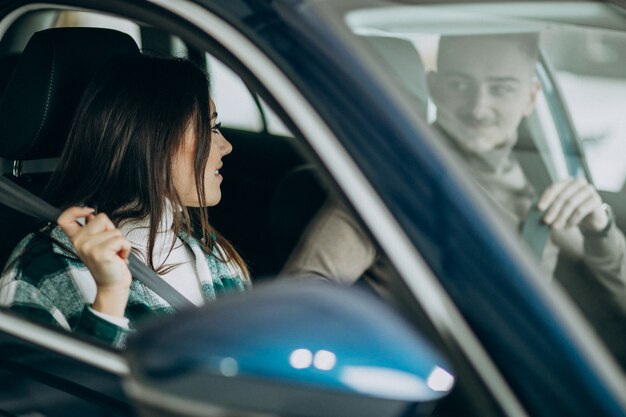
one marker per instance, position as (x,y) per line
(520,330)
(35,379)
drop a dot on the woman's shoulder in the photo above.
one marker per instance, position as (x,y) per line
(48,246)
(224,271)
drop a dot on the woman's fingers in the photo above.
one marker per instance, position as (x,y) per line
(98,223)
(68,220)
(101,246)
(97,242)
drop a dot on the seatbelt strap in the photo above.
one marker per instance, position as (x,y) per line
(22,200)
(534,231)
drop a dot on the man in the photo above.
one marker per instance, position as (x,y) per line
(483,88)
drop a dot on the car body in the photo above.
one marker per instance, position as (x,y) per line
(517,345)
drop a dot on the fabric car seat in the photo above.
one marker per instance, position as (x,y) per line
(298,197)
(39,103)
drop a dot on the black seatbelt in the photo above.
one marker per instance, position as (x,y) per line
(20,199)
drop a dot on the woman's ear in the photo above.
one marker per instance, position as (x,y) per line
(535,88)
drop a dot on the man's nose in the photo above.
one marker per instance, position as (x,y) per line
(481,103)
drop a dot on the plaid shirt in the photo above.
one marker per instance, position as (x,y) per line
(45,282)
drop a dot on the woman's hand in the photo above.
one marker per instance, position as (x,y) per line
(573,202)
(104,250)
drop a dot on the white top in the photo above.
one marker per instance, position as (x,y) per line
(184,278)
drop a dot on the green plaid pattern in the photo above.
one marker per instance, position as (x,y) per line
(39,282)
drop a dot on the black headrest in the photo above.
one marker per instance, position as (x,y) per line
(7,65)
(297,199)
(48,81)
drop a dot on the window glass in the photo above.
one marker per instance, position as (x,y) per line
(590,68)
(179,48)
(274,125)
(531,107)
(236,106)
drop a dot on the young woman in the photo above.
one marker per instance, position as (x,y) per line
(139,169)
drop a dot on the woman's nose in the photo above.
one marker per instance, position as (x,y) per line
(225,146)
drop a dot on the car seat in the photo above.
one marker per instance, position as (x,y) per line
(300,195)
(39,103)
(405,67)
(7,65)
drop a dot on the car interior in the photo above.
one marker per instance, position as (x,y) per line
(48,57)
(548,147)
(272,208)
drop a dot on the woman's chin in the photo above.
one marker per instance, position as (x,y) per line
(214,199)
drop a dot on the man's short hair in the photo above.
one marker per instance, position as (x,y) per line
(528,42)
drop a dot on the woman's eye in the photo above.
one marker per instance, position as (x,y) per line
(216,127)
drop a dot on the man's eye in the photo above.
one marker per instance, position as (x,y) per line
(501,89)
(459,86)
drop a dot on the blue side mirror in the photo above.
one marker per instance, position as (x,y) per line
(290,348)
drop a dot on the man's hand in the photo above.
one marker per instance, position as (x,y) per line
(573,202)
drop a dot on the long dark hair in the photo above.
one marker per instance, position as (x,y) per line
(128,128)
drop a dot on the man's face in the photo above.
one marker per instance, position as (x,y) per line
(483,88)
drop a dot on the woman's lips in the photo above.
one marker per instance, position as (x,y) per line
(217,172)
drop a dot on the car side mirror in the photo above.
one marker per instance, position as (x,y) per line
(288,348)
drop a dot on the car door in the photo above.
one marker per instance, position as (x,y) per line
(45,372)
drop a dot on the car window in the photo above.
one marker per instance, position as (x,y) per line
(274,124)
(237,106)
(537,127)
(593,88)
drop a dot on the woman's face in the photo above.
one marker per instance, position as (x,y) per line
(183,172)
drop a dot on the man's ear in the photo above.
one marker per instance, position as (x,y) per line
(535,88)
